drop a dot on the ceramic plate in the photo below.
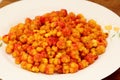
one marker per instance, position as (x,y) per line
(105,65)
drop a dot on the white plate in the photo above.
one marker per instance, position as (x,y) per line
(17,12)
